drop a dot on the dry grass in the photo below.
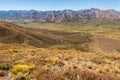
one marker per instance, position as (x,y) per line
(71,64)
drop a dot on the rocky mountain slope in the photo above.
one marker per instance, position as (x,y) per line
(85,15)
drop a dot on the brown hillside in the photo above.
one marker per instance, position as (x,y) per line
(42,38)
(10,33)
(14,34)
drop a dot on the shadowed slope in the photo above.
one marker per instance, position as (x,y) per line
(12,34)
(9,33)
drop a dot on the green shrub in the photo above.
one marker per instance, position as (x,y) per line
(53,60)
(22,68)
(5,66)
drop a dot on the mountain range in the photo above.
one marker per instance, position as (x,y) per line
(85,15)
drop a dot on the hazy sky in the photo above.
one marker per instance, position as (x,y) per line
(58,4)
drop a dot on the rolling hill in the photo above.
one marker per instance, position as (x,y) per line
(41,38)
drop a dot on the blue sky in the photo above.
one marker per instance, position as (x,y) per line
(58,4)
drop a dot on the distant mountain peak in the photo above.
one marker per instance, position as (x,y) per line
(62,15)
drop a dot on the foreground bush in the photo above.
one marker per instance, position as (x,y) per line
(5,66)
(22,68)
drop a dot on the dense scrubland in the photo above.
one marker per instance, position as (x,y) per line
(59,51)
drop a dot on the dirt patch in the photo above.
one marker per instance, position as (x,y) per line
(104,44)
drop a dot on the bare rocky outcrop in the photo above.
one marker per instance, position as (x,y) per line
(86,15)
